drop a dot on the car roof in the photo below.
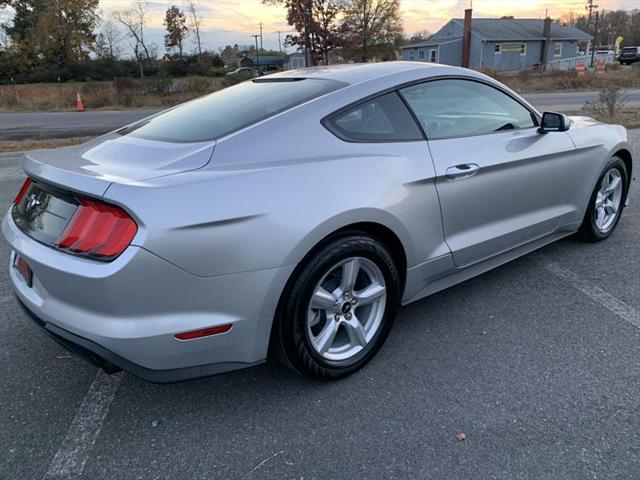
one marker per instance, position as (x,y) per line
(361,72)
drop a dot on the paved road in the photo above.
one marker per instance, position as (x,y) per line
(39,125)
(16,126)
(537,362)
(574,101)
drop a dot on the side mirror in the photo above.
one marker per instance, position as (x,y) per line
(553,122)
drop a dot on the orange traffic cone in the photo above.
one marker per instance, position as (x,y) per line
(79,104)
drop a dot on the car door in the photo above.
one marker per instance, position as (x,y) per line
(501,183)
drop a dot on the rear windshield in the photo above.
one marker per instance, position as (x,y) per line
(231,109)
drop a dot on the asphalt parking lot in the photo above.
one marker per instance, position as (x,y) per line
(537,363)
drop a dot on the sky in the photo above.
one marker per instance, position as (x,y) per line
(235,21)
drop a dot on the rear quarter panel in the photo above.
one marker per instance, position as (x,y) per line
(242,213)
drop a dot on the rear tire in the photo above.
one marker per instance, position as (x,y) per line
(332,321)
(606,203)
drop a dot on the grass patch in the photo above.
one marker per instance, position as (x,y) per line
(118,94)
(531,81)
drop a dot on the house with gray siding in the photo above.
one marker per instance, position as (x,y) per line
(504,44)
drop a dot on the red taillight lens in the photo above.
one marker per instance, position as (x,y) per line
(98,229)
(23,190)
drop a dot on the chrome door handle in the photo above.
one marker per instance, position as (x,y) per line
(465,170)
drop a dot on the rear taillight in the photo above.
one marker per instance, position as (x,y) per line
(98,230)
(23,190)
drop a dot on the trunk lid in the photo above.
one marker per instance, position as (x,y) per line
(91,167)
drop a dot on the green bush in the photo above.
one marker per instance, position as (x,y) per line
(217,71)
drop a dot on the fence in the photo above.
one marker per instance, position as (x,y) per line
(570,63)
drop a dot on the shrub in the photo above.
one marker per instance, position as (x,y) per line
(160,85)
(217,72)
(198,84)
(609,103)
(230,80)
(97,94)
(7,97)
(217,61)
(126,90)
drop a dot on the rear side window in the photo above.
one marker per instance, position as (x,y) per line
(382,119)
(231,109)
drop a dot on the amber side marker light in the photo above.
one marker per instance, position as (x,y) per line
(205,332)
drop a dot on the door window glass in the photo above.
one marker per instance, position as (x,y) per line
(459,108)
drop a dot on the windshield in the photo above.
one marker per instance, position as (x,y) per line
(629,50)
(230,109)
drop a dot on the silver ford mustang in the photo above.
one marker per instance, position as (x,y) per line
(292,214)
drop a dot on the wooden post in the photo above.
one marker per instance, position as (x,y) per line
(466,39)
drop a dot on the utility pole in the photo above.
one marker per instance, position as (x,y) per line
(261,47)
(595,37)
(590,6)
(257,53)
(279,42)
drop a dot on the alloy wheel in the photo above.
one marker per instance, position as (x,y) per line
(608,200)
(346,309)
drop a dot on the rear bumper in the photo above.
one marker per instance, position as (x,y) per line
(125,314)
(111,362)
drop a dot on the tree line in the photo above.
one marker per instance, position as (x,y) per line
(64,40)
(60,40)
(611,24)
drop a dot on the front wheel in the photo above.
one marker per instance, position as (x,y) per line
(339,308)
(606,203)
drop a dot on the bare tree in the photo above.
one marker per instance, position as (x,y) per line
(112,37)
(134,21)
(195,23)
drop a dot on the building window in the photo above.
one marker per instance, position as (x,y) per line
(557,49)
(497,48)
(412,54)
(433,56)
(519,48)
(421,54)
